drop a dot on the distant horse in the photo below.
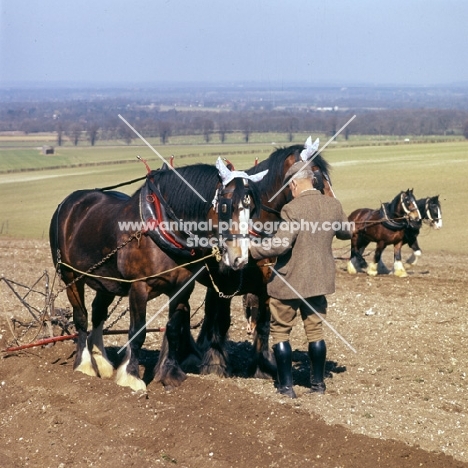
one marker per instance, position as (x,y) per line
(385,226)
(431,213)
(121,245)
(253,278)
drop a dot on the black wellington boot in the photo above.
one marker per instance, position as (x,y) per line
(317,356)
(283,356)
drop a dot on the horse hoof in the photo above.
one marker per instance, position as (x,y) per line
(372,269)
(351,269)
(85,366)
(413,259)
(105,368)
(400,273)
(170,375)
(399,270)
(214,369)
(127,380)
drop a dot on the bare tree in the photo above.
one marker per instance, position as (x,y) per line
(292,125)
(59,134)
(222,130)
(208,127)
(125,133)
(74,132)
(246,127)
(465,130)
(165,131)
(92,131)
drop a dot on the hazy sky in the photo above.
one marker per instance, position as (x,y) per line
(269,41)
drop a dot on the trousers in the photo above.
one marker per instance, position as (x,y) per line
(284,312)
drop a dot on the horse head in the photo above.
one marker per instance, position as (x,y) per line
(275,194)
(409,206)
(236,200)
(433,212)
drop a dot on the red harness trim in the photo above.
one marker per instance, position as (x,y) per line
(164,233)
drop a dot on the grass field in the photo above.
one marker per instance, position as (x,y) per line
(363,176)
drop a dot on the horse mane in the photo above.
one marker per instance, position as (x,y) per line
(180,196)
(204,178)
(275,165)
(391,206)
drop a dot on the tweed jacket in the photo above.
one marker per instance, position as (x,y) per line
(303,245)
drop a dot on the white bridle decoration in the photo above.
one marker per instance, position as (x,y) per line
(227,175)
(309,148)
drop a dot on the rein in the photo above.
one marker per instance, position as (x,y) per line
(398,223)
(112,187)
(214,253)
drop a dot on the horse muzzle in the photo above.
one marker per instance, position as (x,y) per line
(236,252)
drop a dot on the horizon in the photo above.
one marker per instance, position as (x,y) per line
(29,85)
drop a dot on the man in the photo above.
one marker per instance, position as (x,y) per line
(305,270)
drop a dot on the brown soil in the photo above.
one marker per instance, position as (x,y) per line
(399,401)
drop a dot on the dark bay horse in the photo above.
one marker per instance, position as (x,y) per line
(385,226)
(431,214)
(321,182)
(253,278)
(121,245)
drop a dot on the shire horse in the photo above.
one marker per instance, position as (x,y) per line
(120,245)
(386,226)
(252,280)
(431,214)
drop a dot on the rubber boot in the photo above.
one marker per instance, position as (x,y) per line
(317,356)
(283,356)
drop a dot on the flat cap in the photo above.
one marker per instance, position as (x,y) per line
(300,166)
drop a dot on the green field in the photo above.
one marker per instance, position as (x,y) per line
(363,176)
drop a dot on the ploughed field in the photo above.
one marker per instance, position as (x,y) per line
(400,400)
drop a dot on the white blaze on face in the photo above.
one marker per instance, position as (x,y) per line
(236,255)
(438,223)
(244,241)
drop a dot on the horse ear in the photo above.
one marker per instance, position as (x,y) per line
(309,148)
(229,164)
(223,171)
(164,167)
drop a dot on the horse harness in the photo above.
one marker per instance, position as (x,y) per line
(157,214)
(396,224)
(427,212)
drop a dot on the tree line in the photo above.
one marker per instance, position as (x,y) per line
(93,120)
